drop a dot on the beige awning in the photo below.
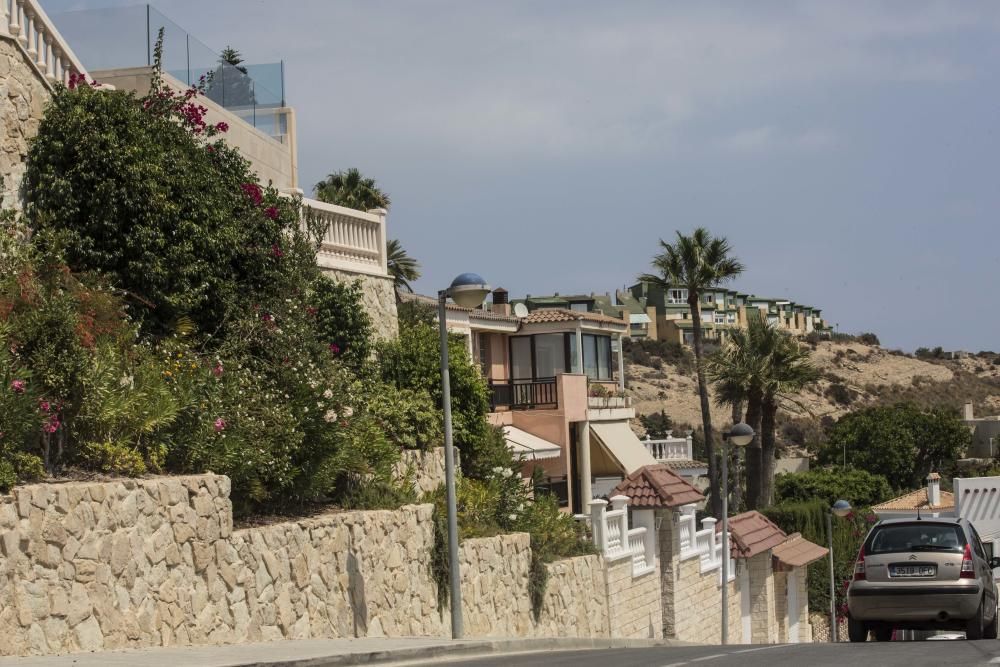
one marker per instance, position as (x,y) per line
(622,445)
(530,446)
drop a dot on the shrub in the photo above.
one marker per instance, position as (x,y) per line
(409,417)
(839,394)
(341,319)
(859,487)
(868,338)
(657,424)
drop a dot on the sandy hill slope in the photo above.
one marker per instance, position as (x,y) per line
(854,376)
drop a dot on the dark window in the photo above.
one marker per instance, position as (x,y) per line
(917,536)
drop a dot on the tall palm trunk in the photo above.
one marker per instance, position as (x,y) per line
(754,450)
(714,483)
(769,409)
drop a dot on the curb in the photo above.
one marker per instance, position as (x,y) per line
(464,648)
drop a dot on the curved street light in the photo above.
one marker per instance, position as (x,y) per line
(468,290)
(740,435)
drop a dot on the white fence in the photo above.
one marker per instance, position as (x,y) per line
(670,449)
(616,540)
(704,544)
(352,240)
(26,21)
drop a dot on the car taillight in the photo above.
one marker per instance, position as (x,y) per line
(859,565)
(968,570)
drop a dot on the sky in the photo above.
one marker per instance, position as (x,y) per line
(847,150)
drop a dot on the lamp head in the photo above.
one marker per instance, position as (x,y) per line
(841,508)
(741,434)
(468,290)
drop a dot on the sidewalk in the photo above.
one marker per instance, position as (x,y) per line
(318,652)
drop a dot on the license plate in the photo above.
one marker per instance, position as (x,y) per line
(913,570)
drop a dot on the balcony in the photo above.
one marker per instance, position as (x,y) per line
(524,394)
(351,240)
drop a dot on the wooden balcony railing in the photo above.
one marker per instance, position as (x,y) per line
(524,394)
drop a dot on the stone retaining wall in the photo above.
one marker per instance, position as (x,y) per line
(378,299)
(23,96)
(101,565)
(425,467)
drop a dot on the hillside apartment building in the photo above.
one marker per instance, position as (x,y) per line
(664,314)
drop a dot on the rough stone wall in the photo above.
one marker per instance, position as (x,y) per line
(379,298)
(666,552)
(426,468)
(90,566)
(23,95)
(805,627)
(782,621)
(634,602)
(762,599)
(105,565)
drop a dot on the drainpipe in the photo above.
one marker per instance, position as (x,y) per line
(621,365)
(583,439)
(579,347)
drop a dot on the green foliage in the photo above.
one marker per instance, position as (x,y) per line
(868,338)
(657,424)
(809,518)
(341,319)
(403,268)
(900,442)
(859,487)
(839,393)
(349,188)
(409,417)
(361,494)
(141,194)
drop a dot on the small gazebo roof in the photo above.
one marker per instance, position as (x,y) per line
(656,487)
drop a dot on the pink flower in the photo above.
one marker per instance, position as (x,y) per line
(271,212)
(17,386)
(334,348)
(217,370)
(52,425)
(267,317)
(44,406)
(276,251)
(210,149)
(222,127)
(253,191)
(220,425)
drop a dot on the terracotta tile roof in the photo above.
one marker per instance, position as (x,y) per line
(543,315)
(797,551)
(915,499)
(753,533)
(657,486)
(677,464)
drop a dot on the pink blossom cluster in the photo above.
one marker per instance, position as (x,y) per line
(253,191)
(52,421)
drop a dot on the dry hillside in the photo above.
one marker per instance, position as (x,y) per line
(854,375)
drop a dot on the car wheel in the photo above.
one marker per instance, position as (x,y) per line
(990,631)
(857,631)
(975,626)
(883,633)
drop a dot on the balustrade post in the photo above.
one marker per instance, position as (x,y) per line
(4,18)
(619,503)
(29,32)
(690,447)
(709,524)
(41,44)
(598,519)
(51,67)
(14,27)
(381,240)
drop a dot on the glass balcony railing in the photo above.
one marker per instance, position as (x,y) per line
(123,37)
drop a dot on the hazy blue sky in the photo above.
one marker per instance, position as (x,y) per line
(849,151)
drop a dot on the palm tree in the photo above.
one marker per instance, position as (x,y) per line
(349,188)
(401,266)
(697,262)
(739,372)
(789,371)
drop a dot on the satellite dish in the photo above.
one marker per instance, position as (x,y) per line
(520,310)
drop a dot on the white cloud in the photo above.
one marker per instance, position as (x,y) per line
(769,138)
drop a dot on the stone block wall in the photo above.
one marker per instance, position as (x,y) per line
(763,619)
(379,300)
(88,566)
(781,606)
(426,468)
(23,96)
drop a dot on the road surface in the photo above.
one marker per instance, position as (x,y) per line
(871,654)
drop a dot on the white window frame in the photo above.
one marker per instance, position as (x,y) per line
(677,295)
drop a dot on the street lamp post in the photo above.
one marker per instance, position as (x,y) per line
(841,508)
(739,435)
(467,290)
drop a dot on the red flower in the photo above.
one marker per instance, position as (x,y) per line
(17,386)
(222,127)
(334,348)
(276,251)
(252,190)
(271,212)
(220,425)
(311,311)
(267,317)
(217,370)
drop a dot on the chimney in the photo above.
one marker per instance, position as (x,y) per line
(501,305)
(933,489)
(967,413)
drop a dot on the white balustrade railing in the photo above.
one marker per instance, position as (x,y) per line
(27,22)
(351,240)
(670,449)
(704,544)
(616,540)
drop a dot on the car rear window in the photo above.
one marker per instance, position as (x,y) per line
(917,536)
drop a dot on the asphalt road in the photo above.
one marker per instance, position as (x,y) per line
(871,654)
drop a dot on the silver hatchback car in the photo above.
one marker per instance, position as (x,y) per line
(929,574)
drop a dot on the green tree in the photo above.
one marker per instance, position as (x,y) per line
(349,188)
(859,487)
(229,84)
(902,442)
(698,262)
(401,266)
(341,320)
(657,424)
